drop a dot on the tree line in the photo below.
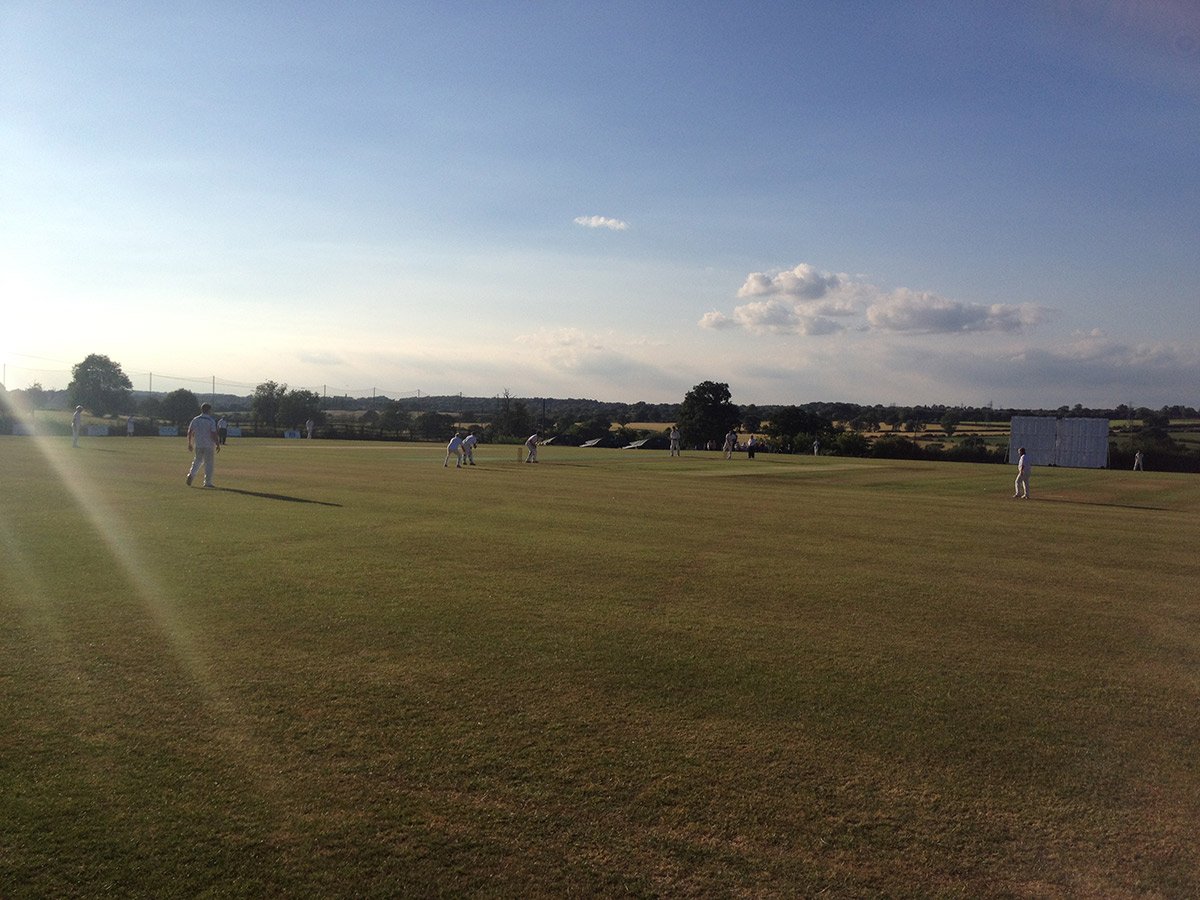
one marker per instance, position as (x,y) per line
(706,413)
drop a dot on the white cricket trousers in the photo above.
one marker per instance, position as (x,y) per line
(204,456)
(1021,487)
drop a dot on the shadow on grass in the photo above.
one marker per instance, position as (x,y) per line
(283,497)
(1101,503)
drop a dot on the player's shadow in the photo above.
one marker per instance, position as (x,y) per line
(283,497)
(1074,502)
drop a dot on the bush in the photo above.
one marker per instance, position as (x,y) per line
(851,443)
(975,449)
(892,446)
(1157,459)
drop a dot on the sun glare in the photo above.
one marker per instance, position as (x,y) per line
(109,522)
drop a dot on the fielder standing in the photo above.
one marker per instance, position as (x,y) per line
(204,443)
(1021,488)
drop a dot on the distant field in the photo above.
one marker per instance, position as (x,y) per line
(351,671)
(655,427)
(1189,437)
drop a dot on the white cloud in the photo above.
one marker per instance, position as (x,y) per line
(592,361)
(773,316)
(560,344)
(601,222)
(1092,369)
(803,282)
(806,301)
(926,313)
(320,358)
(1112,361)
(717,320)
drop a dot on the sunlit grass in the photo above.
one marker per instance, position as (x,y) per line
(352,671)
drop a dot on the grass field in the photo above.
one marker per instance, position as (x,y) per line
(351,671)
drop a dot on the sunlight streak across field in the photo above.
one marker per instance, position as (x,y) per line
(137,568)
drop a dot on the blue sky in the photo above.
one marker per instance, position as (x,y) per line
(872,202)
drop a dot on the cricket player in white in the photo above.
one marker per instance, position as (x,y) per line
(1021,488)
(531,445)
(76,425)
(456,447)
(730,443)
(674,441)
(468,446)
(203,442)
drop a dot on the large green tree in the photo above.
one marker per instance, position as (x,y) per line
(99,386)
(751,419)
(297,407)
(794,429)
(35,396)
(394,418)
(179,407)
(264,405)
(512,418)
(707,413)
(434,426)
(598,425)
